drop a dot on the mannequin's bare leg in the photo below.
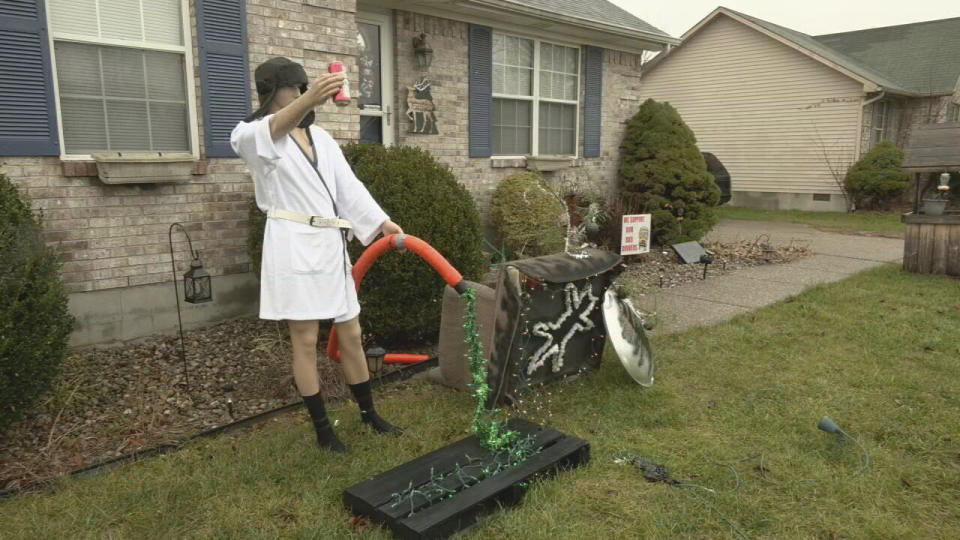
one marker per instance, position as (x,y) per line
(352,358)
(355,372)
(303,338)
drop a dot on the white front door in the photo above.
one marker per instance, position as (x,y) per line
(375,95)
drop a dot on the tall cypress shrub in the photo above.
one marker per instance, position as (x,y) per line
(663,172)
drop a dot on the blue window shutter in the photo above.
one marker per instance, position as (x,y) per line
(224,77)
(593,100)
(481,90)
(28,115)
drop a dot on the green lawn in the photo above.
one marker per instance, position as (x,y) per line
(886,224)
(877,352)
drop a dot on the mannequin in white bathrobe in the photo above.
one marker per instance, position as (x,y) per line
(305,272)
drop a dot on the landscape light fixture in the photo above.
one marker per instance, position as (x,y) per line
(196,289)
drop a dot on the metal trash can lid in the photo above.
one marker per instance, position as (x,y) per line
(626,334)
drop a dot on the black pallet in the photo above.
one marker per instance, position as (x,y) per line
(444,517)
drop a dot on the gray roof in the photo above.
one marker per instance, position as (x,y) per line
(599,11)
(922,57)
(831,54)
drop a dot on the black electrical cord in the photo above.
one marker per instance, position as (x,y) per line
(654,472)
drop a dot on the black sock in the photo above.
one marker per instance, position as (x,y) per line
(321,424)
(361,392)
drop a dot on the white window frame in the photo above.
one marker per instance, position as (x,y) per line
(879,134)
(535,99)
(385,21)
(186,49)
(953,112)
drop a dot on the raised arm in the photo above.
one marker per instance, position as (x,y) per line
(289,116)
(353,200)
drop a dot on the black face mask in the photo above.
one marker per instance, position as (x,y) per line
(307,120)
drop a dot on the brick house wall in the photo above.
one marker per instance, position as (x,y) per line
(116,235)
(113,238)
(449,77)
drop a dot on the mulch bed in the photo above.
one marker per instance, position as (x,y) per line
(664,269)
(109,401)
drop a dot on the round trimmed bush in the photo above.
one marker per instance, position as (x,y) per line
(35,322)
(400,296)
(528,218)
(664,173)
(877,179)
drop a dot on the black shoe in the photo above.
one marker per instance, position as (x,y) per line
(326,437)
(361,392)
(378,424)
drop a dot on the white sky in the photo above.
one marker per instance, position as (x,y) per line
(812,17)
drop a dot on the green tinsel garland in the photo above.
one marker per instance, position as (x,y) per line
(507,448)
(488,431)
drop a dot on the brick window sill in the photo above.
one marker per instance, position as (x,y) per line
(524,162)
(72,169)
(508,163)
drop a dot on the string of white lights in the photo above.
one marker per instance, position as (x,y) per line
(574,301)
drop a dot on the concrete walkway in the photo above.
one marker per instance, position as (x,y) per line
(718,298)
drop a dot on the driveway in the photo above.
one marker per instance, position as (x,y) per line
(718,298)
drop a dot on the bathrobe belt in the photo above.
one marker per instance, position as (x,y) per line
(313,221)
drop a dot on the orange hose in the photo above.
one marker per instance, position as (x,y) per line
(404,358)
(374,252)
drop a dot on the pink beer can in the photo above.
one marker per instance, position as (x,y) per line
(343,96)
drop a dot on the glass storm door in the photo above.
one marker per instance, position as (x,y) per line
(375,95)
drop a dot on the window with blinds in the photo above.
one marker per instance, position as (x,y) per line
(536,88)
(880,123)
(121,75)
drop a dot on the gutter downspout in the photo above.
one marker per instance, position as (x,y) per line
(863,105)
(859,139)
(883,94)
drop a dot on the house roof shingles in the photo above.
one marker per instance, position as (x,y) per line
(919,58)
(818,48)
(599,11)
(922,57)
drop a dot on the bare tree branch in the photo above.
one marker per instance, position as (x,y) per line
(838,168)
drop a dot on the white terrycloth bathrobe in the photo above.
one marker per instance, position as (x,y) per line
(305,271)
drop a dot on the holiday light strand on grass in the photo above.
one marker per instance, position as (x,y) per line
(442,486)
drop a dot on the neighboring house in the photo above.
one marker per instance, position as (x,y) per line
(787,113)
(95,92)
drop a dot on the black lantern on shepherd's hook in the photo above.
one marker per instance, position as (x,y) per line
(196,283)
(196,288)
